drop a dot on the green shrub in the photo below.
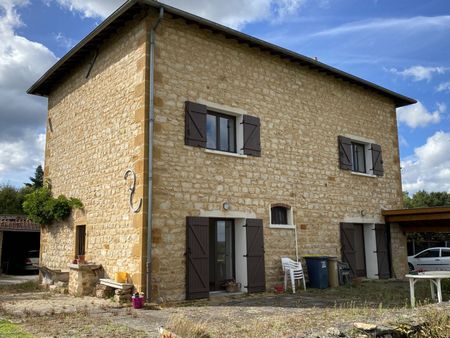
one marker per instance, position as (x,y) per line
(41,207)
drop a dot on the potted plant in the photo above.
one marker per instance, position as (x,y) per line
(232,286)
(279,288)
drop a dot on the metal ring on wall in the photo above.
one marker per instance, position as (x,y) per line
(132,189)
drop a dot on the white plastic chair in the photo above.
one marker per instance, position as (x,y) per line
(292,270)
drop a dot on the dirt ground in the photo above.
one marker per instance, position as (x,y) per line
(34,313)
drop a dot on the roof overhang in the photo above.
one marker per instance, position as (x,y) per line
(436,219)
(133,8)
(18,223)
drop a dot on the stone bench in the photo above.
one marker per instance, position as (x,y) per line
(115,285)
(108,287)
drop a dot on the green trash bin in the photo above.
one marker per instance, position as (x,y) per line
(317,271)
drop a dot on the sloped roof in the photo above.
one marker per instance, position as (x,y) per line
(132,8)
(18,223)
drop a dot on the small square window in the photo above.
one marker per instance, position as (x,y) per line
(279,215)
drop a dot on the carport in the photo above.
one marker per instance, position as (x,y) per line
(18,235)
(421,220)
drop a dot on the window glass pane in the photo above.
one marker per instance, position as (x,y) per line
(211,132)
(359,158)
(231,134)
(429,253)
(279,215)
(445,253)
(223,125)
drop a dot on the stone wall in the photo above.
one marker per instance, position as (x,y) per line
(302,113)
(399,251)
(96,132)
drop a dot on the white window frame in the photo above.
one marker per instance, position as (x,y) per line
(239,128)
(367,154)
(290,217)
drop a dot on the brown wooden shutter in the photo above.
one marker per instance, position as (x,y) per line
(348,251)
(377,160)
(197,257)
(345,153)
(195,124)
(252,135)
(256,273)
(382,240)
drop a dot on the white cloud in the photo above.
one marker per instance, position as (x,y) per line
(403,141)
(22,116)
(22,154)
(419,73)
(238,13)
(92,8)
(429,168)
(232,13)
(444,87)
(64,41)
(403,24)
(417,115)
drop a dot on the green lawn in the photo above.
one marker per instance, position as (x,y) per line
(8,329)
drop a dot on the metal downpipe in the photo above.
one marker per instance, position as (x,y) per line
(151,120)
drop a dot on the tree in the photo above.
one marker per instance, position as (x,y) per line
(11,200)
(423,199)
(38,179)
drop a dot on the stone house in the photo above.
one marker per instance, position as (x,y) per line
(242,152)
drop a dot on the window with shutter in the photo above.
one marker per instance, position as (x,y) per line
(377,160)
(195,124)
(215,128)
(220,132)
(345,153)
(252,134)
(360,156)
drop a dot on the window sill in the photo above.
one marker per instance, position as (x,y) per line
(282,226)
(218,152)
(362,174)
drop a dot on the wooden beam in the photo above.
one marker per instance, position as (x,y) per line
(420,217)
(432,210)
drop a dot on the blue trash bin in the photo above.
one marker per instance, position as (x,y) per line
(317,271)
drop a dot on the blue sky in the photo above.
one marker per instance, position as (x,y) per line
(402,45)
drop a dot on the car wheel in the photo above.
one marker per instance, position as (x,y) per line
(411,267)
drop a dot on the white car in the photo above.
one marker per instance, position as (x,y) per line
(31,262)
(432,259)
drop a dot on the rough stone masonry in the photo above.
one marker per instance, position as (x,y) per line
(98,130)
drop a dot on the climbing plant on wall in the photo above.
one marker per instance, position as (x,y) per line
(41,207)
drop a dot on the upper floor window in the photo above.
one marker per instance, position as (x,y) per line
(220,132)
(214,128)
(360,156)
